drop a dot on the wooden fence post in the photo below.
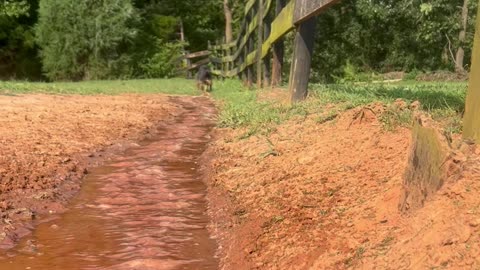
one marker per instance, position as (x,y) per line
(259,42)
(471,121)
(302,60)
(226,65)
(267,26)
(250,47)
(278,51)
(188,63)
(229,63)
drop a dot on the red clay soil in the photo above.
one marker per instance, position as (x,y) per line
(325,196)
(48,142)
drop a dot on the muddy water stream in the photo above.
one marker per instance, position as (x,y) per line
(144,210)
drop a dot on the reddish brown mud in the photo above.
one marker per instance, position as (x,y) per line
(47,143)
(315,195)
(145,209)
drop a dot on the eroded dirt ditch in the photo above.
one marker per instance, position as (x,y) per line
(143,210)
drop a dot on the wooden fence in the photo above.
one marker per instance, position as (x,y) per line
(189,62)
(262,30)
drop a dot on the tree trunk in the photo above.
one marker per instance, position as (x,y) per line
(182,31)
(461,39)
(228,21)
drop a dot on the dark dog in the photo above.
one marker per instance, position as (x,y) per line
(204,79)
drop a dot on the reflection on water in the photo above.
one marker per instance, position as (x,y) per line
(145,210)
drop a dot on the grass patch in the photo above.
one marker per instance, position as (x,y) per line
(445,101)
(167,86)
(393,118)
(240,109)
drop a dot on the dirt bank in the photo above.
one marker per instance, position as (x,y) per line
(48,142)
(325,196)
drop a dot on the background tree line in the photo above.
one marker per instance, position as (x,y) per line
(110,39)
(101,39)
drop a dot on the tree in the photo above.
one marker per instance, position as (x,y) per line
(461,39)
(201,18)
(228,21)
(85,39)
(391,35)
(18,53)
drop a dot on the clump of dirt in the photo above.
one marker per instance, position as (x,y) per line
(48,142)
(328,199)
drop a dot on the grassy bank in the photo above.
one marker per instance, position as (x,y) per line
(168,86)
(241,108)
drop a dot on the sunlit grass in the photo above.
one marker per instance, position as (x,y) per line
(168,86)
(241,108)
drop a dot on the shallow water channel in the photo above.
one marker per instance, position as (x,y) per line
(144,210)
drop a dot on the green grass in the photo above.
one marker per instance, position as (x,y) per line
(433,96)
(240,108)
(167,86)
(444,101)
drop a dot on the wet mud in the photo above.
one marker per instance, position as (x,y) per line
(146,209)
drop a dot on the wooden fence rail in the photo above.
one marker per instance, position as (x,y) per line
(251,52)
(186,65)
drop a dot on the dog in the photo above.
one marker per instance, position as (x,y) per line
(204,79)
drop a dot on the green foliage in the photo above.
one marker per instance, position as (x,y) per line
(390,35)
(160,64)
(356,39)
(13,9)
(412,75)
(17,47)
(353,74)
(85,39)
(202,19)
(163,27)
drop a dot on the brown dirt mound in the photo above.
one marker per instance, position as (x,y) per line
(328,199)
(47,142)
